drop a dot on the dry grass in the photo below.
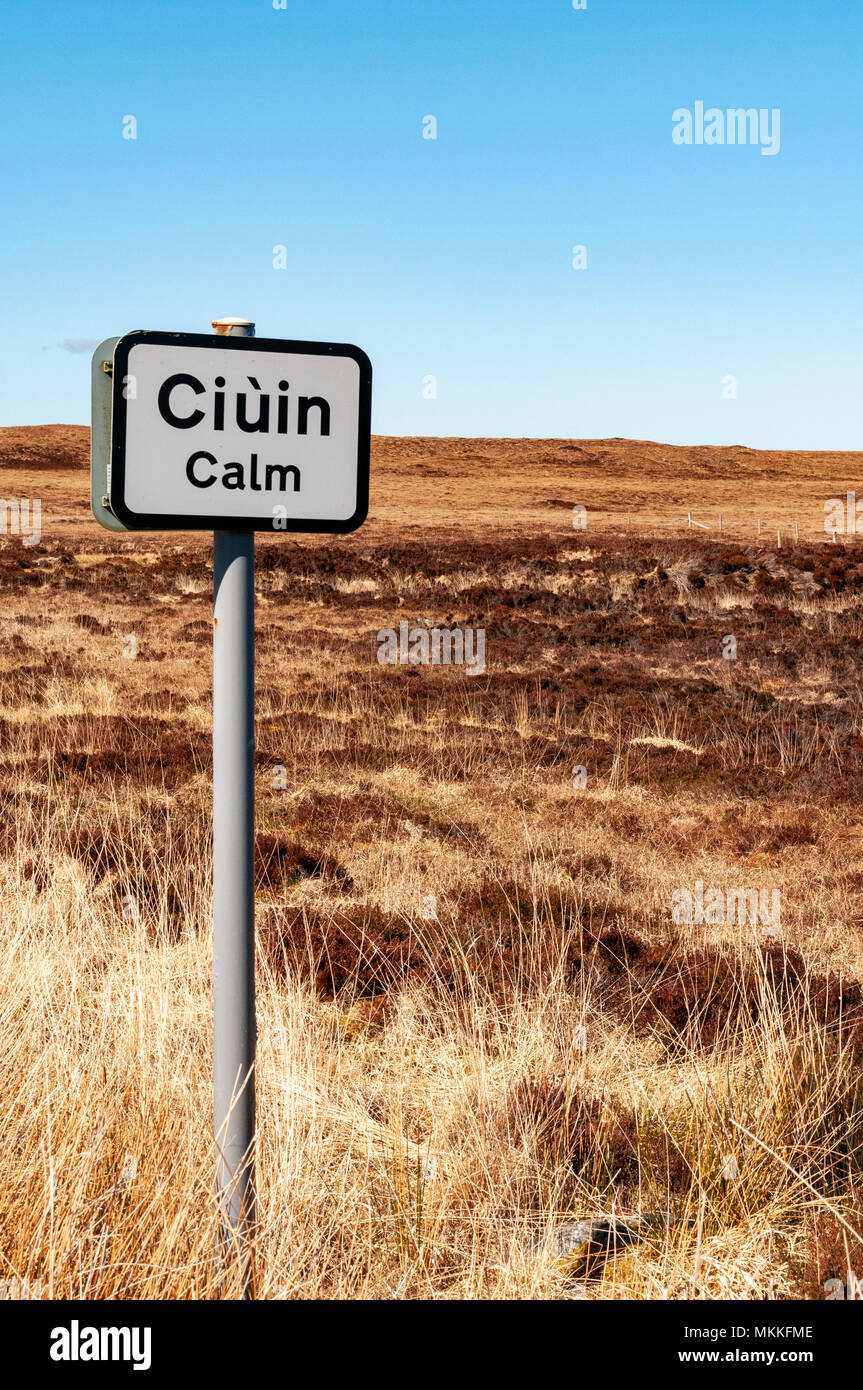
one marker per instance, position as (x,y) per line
(439,1090)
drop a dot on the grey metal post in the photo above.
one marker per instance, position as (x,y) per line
(233,878)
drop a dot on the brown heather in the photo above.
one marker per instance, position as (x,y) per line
(438,1090)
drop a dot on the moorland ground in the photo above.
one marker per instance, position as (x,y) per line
(480,1016)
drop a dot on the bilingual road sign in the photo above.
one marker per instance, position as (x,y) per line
(240,433)
(234,434)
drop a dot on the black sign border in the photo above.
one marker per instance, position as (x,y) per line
(167,521)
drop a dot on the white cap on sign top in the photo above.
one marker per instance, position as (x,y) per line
(234,328)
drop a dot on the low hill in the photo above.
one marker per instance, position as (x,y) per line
(529,484)
(45,446)
(68,446)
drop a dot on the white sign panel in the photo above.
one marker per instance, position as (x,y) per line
(248,433)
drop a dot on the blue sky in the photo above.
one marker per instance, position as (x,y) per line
(451,258)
